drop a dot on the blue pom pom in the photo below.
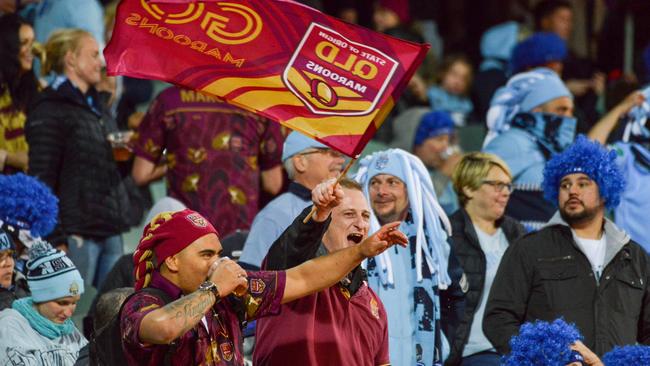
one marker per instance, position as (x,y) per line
(628,355)
(590,158)
(542,344)
(25,201)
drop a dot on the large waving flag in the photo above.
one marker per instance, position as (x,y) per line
(333,81)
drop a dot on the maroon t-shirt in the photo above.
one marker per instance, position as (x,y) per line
(327,328)
(214,154)
(216,340)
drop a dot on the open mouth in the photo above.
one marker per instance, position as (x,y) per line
(355,238)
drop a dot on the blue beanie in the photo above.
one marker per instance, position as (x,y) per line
(537,50)
(627,356)
(433,124)
(296,142)
(542,344)
(28,204)
(51,274)
(590,158)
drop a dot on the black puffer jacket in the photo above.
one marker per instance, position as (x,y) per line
(472,259)
(69,151)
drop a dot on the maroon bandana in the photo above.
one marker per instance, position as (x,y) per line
(167,234)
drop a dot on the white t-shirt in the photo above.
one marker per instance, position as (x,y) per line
(493,246)
(595,252)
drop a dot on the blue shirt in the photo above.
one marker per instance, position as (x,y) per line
(52,15)
(458,106)
(413,308)
(631,214)
(521,152)
(271,222)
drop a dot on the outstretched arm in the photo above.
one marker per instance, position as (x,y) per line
(322,272)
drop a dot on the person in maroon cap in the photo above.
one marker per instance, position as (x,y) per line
(179,255)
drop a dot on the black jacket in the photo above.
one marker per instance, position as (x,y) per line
(472,259)
(69,151)
(545,275)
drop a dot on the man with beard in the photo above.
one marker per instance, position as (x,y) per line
(421,287)
(344,324)
(580,266)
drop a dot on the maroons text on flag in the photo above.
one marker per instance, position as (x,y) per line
(331,80)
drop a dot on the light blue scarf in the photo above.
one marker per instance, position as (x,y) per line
(42,325)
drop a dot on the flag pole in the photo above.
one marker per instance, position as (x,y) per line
(341,176)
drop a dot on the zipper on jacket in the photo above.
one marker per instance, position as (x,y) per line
(555,259)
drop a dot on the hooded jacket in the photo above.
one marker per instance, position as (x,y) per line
(69,151)
(545,276)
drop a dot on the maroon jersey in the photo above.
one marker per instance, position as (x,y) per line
(326,328)
(216,340)
(214,154)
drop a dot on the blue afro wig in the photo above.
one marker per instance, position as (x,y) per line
(542,344)
(590,158)
(27,203)
(627,356)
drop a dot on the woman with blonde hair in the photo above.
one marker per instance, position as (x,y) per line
(481,234)
(70,152)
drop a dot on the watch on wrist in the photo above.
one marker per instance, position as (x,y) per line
(212,287)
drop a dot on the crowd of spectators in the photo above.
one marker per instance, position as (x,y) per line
(503,200)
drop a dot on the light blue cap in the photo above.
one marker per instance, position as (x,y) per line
(297,142)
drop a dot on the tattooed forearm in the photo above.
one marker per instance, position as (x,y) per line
(187,311)
(165,324)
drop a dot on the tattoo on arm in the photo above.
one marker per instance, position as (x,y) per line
(187,311)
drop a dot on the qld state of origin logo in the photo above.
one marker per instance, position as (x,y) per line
(333,75)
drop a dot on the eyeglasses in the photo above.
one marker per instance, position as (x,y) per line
(331,152)
(498,185)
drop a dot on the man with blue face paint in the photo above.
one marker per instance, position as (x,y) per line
(530,119)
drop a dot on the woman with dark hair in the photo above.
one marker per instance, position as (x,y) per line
(18,87)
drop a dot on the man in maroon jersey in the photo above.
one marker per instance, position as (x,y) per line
(344,324)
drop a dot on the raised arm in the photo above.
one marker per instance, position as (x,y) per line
(601,130)
(322,272)
(164,325)
(300,241)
